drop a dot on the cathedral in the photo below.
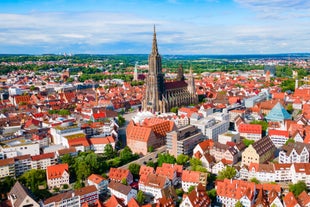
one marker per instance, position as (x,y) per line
(161,96)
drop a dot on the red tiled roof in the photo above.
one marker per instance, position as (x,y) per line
(118,173)
(273,132)
(190,176)
(95,178)
(102,140)
(289,200)
(56,171)
(250,128)
(50,155)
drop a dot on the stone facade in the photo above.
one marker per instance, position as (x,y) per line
(161,96)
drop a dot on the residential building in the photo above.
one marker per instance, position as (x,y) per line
(7,167)
(183,140)
(203,147)
(57,175)
(193,178)
(197,198)
(294,153)
(19,147)
(19,196)
(149,132)
(99,182)
(261,151)
(22,164)
(250,131)
(278,137)
(222,151)
(98,143)
(76,198)
(171,171)
(212,125)
(88,194)
(229,136)
(40,162)
(153,185)
(122,191)
(118,174)
(114,201)
(220,166)
(229,192)
(289,200)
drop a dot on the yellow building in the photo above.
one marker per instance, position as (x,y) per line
(260,152)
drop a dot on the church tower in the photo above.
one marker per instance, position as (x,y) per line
(155,81)
(191,86)
(135,72)
(180,76)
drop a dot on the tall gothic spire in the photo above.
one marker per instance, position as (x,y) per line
(154,46)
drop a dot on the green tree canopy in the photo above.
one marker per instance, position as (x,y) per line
(238,204)
(109,152)
(255,180)
(298,188)
(134,169)
(191,188)
(140,197)
(121,120)
(182,159)
(290,140)
(229,173)
(165,158)
(247,142)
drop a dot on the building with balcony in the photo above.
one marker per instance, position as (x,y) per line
(183,140)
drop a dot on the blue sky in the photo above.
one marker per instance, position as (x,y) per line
(126,26)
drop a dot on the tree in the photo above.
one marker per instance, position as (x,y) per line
(126,155)
(165,158)
(182,159)
(264,125)
(67,158)
(109,152)
(174,109)
(298,188)
(191,188)
(5,185)
(238,204)
(65,186)
(134,169)
(82,168)
(32,179)
(151,164)
(229,173)
(150,149)
(247,142)
(289,141)
(124,181)
(32,88)
(289,108)
(78,184)
(212,194)
(140,197)
(64,112)
(121,120)
(255,180)
(56,190)
(194,162)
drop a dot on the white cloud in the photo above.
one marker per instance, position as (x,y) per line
(91,30)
